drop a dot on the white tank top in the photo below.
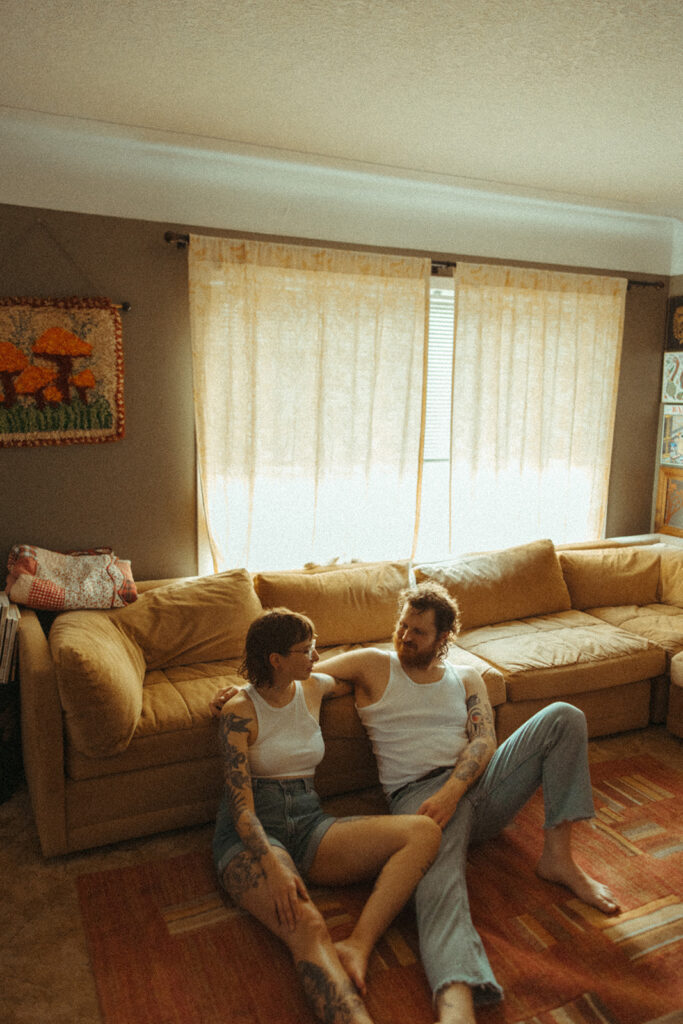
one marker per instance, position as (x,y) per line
(416,727)
(289,742)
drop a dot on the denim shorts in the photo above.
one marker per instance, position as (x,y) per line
(289,811)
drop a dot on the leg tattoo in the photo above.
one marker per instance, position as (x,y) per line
(330,1003)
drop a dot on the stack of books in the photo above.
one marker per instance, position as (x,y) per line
(9,620)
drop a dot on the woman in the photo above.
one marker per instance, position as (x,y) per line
(271,832)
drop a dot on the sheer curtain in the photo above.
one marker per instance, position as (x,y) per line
(308,370)
(535,370)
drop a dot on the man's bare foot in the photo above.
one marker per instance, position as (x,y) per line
(354,961)
(569,874)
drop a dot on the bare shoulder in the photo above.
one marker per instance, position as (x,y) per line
(238,708)
(325,685)
(471,680)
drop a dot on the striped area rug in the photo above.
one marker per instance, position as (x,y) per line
(166,949)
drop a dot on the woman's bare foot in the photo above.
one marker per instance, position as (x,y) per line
(354,961)
(569,874)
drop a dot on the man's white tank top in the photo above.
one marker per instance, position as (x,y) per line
(416,727)
(289,742)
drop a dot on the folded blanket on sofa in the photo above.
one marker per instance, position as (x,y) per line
(78,579)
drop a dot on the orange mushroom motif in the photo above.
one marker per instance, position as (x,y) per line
(83,382)
(12,362)
(61,347)
(52,395)
(33,380)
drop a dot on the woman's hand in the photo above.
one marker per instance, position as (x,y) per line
(221,698)
(440,806)
(287,890)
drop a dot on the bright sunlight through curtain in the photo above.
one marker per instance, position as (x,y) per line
(308,370)
(535,371)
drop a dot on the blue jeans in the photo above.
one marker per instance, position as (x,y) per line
(550,750)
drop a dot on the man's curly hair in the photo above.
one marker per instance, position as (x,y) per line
(430,594)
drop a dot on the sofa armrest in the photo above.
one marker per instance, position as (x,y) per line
(42,734)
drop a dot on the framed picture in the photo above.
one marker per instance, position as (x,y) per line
(672,377)
(669,506)
(674,331)
(671,443)
(61,372)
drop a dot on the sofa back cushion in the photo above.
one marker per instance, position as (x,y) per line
(100,673)
(496,586)
(671,576)
(357,603)
(203,619)
(612,577)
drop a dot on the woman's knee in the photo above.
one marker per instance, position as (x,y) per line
(425,834)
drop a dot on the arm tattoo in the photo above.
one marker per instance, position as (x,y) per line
(237,779)
(479,719)
(479,725)
(468,765)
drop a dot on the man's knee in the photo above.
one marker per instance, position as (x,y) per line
(570,717)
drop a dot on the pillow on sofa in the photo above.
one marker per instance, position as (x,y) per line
(353,604)
(613,577)
(100,672)
(496,586)
(204,619)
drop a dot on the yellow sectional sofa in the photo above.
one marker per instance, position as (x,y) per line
(118,740)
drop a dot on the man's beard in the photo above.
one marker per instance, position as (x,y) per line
(410,658)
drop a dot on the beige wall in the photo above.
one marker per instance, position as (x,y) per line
(138,495)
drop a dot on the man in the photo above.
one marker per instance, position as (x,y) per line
(431,726)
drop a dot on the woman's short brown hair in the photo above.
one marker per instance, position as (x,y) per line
(274,632)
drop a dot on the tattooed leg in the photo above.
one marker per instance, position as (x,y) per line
(326,984)
(329,1003)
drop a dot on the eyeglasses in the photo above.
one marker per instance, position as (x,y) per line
(308,651)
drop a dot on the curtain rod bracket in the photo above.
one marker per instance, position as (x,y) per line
(180,241)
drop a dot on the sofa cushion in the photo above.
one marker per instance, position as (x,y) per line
(199,620)
(671,576)
(354,604)
(613,577)
(100,672)
(553,656)
(660,623)
(499,585)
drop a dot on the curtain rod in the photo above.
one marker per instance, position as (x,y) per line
(182,242)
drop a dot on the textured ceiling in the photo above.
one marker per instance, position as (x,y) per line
(577,100)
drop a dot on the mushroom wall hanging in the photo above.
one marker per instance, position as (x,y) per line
(61,372)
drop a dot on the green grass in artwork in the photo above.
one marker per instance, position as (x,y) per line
(62,418)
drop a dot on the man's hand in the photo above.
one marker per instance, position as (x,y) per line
(221,698)
(440,806)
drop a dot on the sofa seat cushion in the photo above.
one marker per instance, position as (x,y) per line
(554,656)
(501,585)
(357,603)
(174,724)
(660,623)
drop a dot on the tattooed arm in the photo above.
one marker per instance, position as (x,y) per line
(473,758)
(237,724)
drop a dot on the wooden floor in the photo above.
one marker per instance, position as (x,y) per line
(44,972)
